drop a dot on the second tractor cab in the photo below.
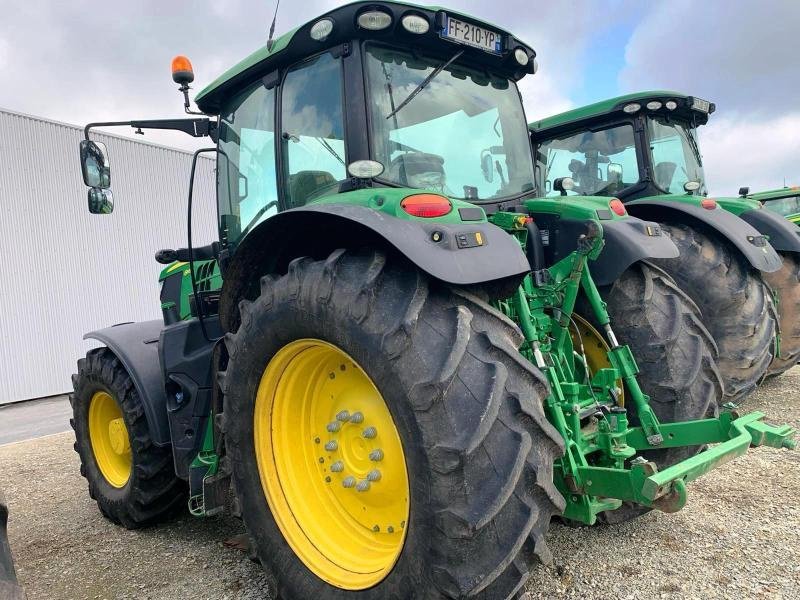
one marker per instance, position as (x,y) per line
(642,148)
(382,354)
(784,201)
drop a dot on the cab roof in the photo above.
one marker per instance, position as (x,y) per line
(784,192)
(600,111)
(297,44)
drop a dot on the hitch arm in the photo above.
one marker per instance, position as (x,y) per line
(666,490)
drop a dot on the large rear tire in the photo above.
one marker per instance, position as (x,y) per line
(675,354)
(465,407)
(785,283)
(132,480)
(735,304)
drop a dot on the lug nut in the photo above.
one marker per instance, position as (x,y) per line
(334,426)
(370,432)
(343,416)
(349,481)
(357,418)
(374,475)
(331,446)
(376,455)
(363,486)
(337,467)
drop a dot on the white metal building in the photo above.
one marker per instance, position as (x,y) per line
(63,271)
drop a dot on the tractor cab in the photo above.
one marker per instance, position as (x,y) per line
(629,147)
(783,201)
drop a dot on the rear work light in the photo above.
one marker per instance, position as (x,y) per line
(426,205)
(708,203)
(618,207)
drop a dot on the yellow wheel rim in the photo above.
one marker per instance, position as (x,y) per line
(109,437)
(595,347)
(331,464)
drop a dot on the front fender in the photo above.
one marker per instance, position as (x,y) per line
(136,346)
(738,233)
(465,253)
(783,234)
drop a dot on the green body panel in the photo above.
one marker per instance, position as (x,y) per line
(573,207)
(733,205)
(207,278)
(387,200)
(738,205)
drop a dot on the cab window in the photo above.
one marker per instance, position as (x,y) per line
(312,123)
(600,162)
(247,191)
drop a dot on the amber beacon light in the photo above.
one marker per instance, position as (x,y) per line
(182,72)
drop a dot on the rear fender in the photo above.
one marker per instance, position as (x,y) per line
(136,347)
(783,234)
(626,240)
(739,234)
(464,254)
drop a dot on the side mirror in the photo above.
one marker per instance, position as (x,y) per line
(101,202)
(94,164)
(487,166)
(614,172)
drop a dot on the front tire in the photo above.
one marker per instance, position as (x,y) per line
(735,304)
(466,408)
(786,284)
(132,480)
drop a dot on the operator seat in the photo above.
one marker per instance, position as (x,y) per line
(664,171)
(303,185)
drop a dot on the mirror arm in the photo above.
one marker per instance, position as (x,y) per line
(193,127)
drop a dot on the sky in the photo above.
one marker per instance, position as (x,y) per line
(83,61)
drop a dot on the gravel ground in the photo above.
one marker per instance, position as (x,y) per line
(737,537)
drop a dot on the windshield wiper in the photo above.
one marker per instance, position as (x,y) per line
(330,149)
(423,83)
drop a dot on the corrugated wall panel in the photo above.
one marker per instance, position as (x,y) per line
(63,271)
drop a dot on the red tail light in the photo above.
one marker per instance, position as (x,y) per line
(708,203)
(618,207)
(426,205)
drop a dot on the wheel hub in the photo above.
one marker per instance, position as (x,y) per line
(118,436)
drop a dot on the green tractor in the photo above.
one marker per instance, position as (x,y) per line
(382,355)
(642,149)
(785,201)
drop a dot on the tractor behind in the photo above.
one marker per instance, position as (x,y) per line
(738,263)
(784,201)
(398,359)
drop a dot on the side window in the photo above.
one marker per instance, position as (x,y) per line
(312,125)
(247,190)
(601,162)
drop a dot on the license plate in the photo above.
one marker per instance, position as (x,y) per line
(460,32)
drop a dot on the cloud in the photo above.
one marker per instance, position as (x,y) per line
(742,56)
(84,61)
(760,154)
